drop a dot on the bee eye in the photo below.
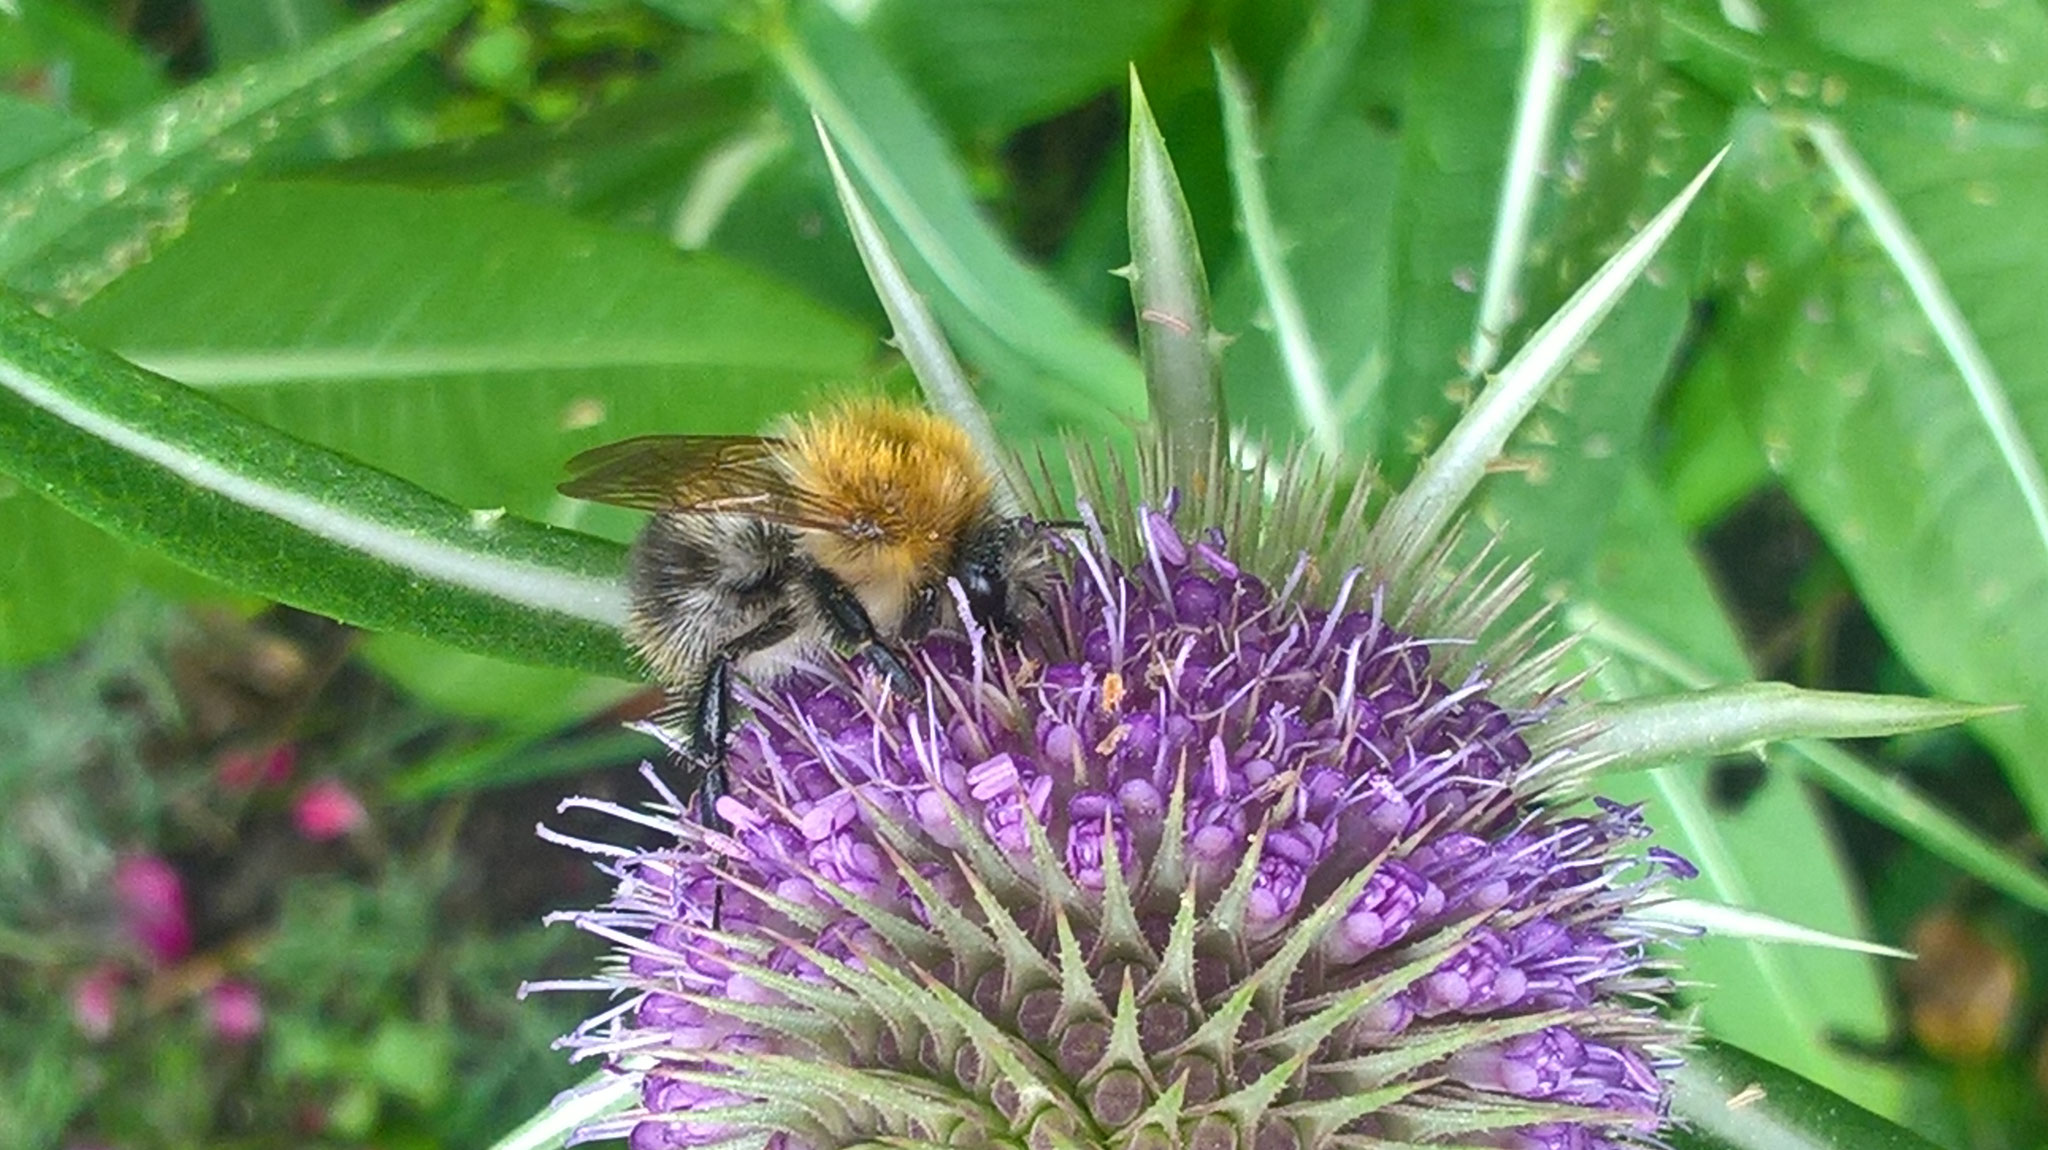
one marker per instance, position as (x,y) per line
(988,598)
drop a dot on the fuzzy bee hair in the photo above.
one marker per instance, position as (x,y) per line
(841,530)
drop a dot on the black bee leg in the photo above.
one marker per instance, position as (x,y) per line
(850,625)
(707,723)
(710,723)
(885,660)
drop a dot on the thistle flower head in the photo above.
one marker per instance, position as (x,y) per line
(1211,857)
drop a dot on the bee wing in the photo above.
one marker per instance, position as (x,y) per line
(695,473)
(680,473)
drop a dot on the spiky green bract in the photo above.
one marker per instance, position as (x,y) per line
(1201,859)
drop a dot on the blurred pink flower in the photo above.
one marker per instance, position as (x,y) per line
(95,1000)
(327,810)
(234,1011)
(151,898)
(250,769)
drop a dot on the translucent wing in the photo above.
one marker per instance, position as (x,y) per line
(681,473)
(736,474)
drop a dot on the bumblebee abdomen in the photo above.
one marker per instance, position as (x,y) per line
(702,585)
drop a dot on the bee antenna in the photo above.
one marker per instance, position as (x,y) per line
(1062,524)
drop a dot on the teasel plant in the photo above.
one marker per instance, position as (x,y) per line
(1281,826)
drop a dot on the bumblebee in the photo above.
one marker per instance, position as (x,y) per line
(763,550)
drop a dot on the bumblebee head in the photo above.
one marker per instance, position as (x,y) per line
(994,562)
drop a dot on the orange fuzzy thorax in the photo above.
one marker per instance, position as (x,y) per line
(904,482)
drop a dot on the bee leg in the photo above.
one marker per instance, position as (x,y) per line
(708,727)
(850,625)
(885,660)
(710,723)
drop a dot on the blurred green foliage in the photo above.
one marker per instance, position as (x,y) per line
(456,243)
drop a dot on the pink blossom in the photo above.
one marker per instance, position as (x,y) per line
(95,1000)
(151,898)
(327,810)
(234,1011)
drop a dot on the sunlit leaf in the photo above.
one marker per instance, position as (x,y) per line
(1771,852)
(159,464)
(1418,516)
(80,217)
(1043,363)
(1908,428)
(1729,1099)
(1177,340)
(1650,729)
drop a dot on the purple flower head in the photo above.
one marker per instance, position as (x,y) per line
(1199,860)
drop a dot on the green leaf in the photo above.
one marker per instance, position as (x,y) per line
(1647,730)
(525,698)
(30,131)
(1725,1098)
(99,72)
(59,577)
(992,67)
(1773,853)
(1881,797)
(1177,340)
(161,465)
(1307,379)
(411,1059)
(1888,799)
(1893,368)
(81,217)
(398,327)
(1628,138)
(1816,56)
(624,160)
(1554,27)
(244,31)
(528,753)
(1710,461)
(1990,56)
(1332,174)
(1480,102)
(1458,116)
(1416,518)
(916,331)
(1624,140)
(1045,366)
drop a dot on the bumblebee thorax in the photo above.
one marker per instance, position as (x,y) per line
(896,487)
